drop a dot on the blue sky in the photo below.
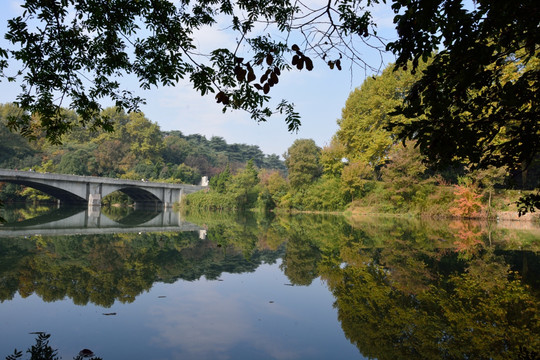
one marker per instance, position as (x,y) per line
(318,95)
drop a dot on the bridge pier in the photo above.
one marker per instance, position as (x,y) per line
(94,200)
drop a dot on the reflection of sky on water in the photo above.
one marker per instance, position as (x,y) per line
(199,323)
(244,316)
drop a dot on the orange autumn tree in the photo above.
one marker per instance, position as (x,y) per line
(467,203)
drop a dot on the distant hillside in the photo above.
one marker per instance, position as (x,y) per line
(136,149)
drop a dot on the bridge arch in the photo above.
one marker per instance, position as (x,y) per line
(59,193)
(137,194)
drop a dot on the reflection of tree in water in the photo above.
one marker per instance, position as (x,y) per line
(24,216)
(404,290)
(468,237)
(116,213)
(102,269)
(482,312)
(300,260)
(309,237)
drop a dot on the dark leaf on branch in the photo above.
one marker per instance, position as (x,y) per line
(309,64)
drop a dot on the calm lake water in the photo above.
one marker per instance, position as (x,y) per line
(212,286)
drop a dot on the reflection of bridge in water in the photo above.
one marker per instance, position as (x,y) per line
(80,221)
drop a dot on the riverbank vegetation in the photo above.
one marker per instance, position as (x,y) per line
(365,170)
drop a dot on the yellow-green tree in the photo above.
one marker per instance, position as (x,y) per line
(274,184)
(362,127)
(355,176)
(145,138)
(332,157)
(243,186)
(303,162)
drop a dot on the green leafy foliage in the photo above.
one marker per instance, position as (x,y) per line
(324,194)
(396,177)
(303,162)
(220,181)
(77,162)
(479,92)
(43,351)
(332,157)
(469,317)
(15,151)
(76,51)
(401,287)
(243,186)
(474,103)
(528,203)
(300,262)
(227,192)
(405,167)
(367,113)
(273,187)
(354,177)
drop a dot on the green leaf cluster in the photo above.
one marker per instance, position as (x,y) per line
(227,192)
(465,89)
(402,287)
(303,162)
(479,92)
(367,113)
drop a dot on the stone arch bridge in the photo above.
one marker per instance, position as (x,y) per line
(81,190)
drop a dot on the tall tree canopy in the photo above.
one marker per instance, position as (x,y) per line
(303,162)
(479,93)
(137,148)
(364,120)
(75,51)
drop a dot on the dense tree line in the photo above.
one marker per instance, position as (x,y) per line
(136,149)
(365,166)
